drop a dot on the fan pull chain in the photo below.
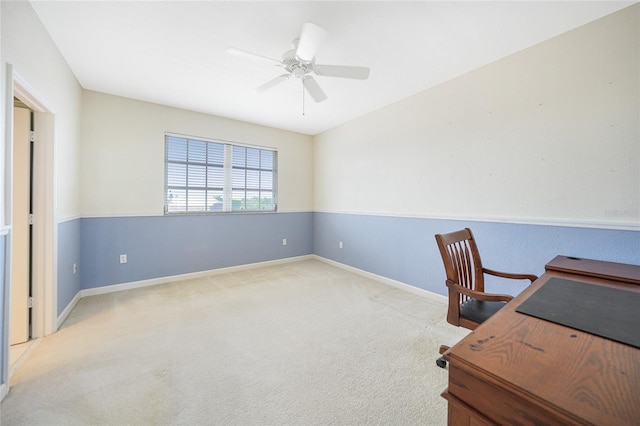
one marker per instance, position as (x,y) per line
(302,95)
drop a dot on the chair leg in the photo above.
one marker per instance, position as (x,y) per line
(442,362)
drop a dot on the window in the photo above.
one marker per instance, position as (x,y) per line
(213,176)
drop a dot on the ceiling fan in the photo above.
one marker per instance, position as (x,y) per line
(300,63)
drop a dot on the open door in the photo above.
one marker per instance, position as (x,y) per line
(21,226)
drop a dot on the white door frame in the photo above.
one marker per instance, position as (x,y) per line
(45,229)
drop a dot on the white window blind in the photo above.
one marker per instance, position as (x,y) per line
(207,176)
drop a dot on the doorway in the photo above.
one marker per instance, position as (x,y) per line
(22,209)
(44,320)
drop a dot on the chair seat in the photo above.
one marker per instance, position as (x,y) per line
(479,310)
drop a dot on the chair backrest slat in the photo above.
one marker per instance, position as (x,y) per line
(461,259)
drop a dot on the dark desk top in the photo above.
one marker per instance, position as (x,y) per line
(602,310)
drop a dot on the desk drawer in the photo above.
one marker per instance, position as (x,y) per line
(498,403)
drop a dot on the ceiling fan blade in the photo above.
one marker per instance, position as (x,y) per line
(314,89)
(249,55)
(311,38)
(269,84)
(344,71)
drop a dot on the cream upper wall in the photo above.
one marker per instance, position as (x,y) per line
(123,154)
(549,134)
(38,63)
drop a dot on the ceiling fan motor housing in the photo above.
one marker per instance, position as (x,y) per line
(295,66)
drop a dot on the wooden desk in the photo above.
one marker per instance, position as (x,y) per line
(518,369)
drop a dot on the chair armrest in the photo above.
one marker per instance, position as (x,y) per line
(478,295)
(509,275)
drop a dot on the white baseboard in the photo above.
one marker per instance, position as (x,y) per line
(181,277)
(164,280)
(63,316)
(393,283)
(4,390)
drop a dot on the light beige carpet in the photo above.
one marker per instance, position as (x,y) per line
(301,343)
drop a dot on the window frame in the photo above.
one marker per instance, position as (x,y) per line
(230,175)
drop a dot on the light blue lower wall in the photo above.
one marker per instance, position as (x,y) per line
(399,248)
(404,249)
(161,246)
(3,260)
(68,253)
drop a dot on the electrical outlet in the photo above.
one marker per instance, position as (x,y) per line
(284,241)
(123,258)
(340,244)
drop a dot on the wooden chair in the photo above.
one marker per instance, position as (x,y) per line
(469,305)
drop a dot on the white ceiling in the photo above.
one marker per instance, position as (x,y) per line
(172,52)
